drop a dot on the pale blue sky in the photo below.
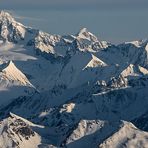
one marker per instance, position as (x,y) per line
(111,20)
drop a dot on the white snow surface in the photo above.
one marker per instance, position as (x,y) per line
(72,90)
(127,136)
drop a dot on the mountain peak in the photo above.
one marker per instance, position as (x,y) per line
(134,70)
(16,131)
(5,16)
(10,30)
(83,30)
(12,73)
(85,34)
(8,65)
(5,65)
(95,62)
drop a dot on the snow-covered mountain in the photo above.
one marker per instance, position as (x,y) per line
(127,136)
(71,90)
(16,132)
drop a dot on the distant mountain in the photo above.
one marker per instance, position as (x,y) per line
(71,90)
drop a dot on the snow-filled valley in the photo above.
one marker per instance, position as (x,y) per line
(71,91)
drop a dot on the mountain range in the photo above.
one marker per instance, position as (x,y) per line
(71,91)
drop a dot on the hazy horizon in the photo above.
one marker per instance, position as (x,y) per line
(115,21)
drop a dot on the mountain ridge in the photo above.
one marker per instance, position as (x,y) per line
(71,91)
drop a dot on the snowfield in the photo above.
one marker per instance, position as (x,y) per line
(71,91)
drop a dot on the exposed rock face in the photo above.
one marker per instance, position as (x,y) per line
(82,92)
(16,132)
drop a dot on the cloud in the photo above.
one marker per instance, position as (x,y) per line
(27,18)
(16,16)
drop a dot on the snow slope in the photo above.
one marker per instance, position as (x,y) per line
(17,132)
(11,73)
(13,83)
(127,136)
(77,89)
